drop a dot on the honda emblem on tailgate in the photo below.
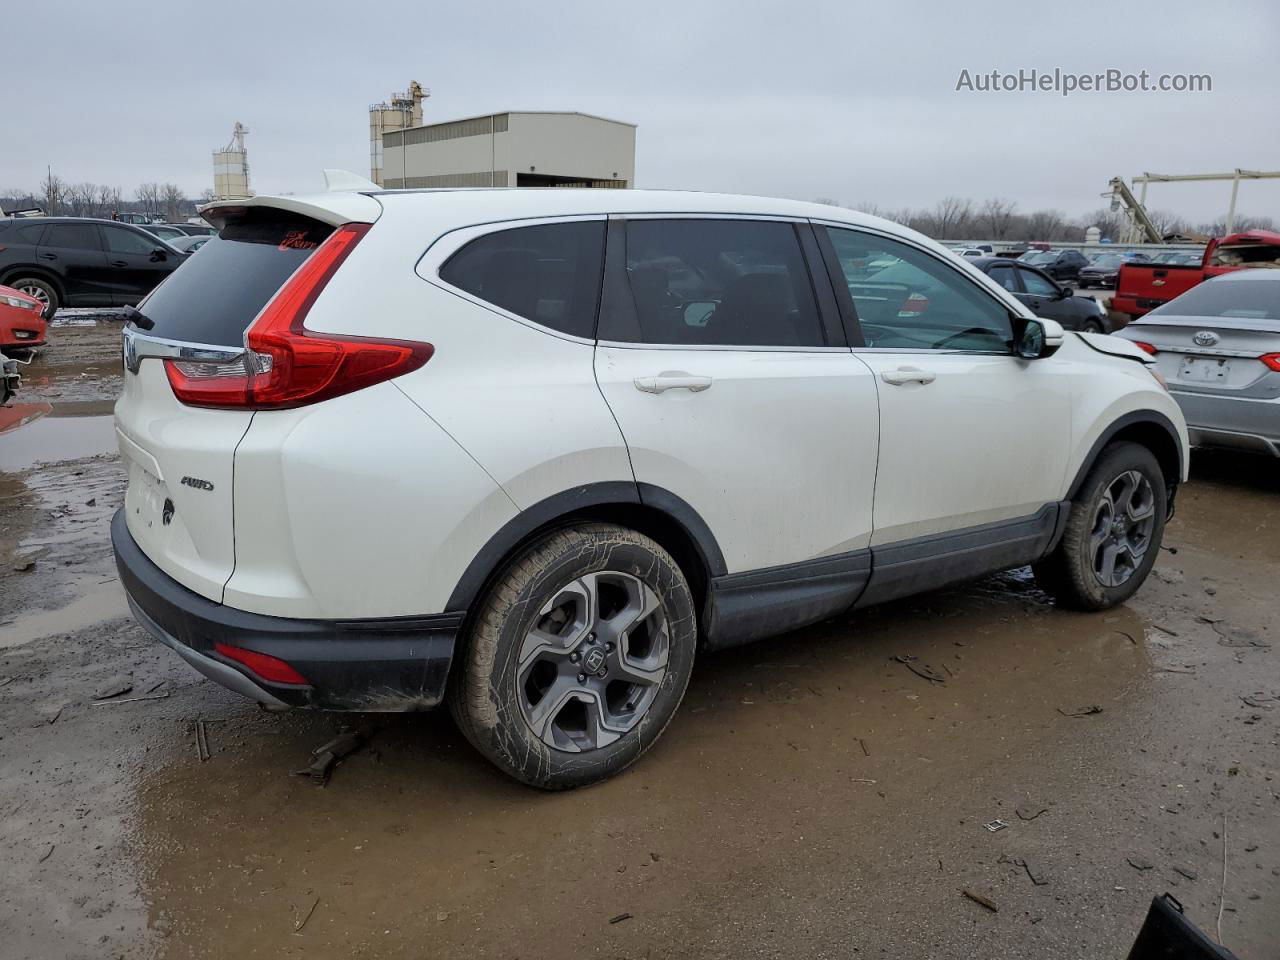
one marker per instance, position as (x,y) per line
(197,483)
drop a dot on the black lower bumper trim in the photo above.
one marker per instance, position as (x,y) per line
(389,664)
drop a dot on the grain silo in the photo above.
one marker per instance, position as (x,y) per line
(231,168)
(402,111)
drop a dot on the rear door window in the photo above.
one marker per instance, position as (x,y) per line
(214,297)
(1003,275)
(549,273)
(72,236)
(731,283)
(1037,284)
(25,234)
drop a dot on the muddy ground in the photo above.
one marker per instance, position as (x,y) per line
(813,797)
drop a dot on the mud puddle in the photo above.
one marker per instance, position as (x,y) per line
(50,438)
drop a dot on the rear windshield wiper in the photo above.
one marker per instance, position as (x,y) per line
(138,318)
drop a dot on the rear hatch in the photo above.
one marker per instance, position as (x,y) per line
(191,331)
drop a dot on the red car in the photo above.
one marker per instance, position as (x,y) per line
(22,324)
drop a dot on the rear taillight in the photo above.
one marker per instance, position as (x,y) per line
(269,668)
(289,366)
(1271,360)
(1143,345)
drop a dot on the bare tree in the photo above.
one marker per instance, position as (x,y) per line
(148,196)
(110,200)
(173,200)
(82,199)
(207,195)
(827,200)
(1218,228)
(1046,225)
(950,217)
(997,217)
(1166,222)
(1109,222)
(52,193)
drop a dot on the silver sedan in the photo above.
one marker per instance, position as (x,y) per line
(1218,348)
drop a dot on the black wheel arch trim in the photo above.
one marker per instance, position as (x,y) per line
(565,506)
(36,273)
(1152,417)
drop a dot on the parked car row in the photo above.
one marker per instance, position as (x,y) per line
(82,262)
(613,428)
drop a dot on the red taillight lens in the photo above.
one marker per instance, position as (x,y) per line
(291,365)
(1143,345)
(269,668)
(1271,360)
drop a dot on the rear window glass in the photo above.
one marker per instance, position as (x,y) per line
(214,296)
(21,233)
(1237,299)
(549,273)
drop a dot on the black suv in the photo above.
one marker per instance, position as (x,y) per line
(1059,264)
(78,262)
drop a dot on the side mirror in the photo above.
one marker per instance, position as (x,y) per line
(159,253)
(1040,338)
(1064,292)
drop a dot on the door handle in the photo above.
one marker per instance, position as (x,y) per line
(119,263)
(907,375)
(672,380)
(47,256)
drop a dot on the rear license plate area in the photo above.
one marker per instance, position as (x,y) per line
(1204,369)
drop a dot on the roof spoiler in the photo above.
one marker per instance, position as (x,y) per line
(344,181)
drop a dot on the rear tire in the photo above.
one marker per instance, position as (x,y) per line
(1112,537)
(39,288)
(1092,326)
(578,657)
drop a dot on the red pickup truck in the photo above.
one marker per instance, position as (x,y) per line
(1145,286)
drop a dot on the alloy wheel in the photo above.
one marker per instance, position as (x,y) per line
(31,290)
(593,661)
(1122,527)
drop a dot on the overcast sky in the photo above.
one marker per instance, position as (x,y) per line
(850,100)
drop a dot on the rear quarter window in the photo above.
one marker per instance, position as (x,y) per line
(549,273)
(214,296)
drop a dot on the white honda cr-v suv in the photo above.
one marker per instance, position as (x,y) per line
(530,450)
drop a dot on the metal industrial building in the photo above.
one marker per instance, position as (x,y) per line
(512,149)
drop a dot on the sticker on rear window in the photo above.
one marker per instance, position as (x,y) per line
(297,240)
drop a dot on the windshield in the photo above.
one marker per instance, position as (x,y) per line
(1109,262)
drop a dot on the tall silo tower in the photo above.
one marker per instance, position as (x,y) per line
(402,111)
(231,168)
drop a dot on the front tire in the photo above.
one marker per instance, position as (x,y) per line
(579,655)
(1092,326)
(1113,532)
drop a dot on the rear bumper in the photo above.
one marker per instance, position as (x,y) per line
(1248,423)
(393,664)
